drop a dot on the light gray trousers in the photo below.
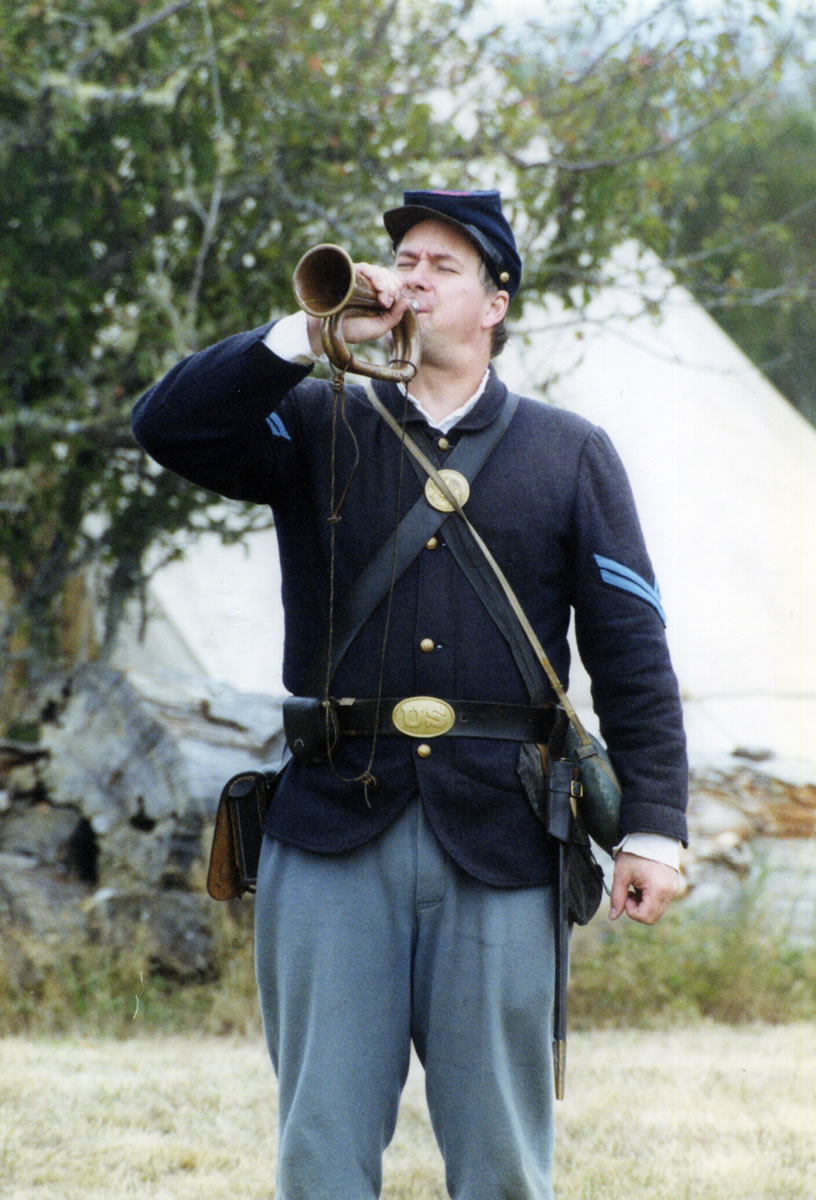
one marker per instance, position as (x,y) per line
(356,955)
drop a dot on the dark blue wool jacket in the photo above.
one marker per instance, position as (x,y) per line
(554,505)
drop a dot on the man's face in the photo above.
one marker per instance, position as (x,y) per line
(441,270)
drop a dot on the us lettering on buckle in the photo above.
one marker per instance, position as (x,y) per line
(423,716)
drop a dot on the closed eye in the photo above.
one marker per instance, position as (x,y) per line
(439,263)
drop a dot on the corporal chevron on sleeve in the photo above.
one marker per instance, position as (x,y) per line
(616,575)
(277,426)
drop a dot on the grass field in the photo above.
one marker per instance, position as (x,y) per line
(707,1112)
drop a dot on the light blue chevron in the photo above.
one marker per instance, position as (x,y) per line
(627,580)
(277,426)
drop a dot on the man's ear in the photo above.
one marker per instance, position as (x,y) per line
(496,308)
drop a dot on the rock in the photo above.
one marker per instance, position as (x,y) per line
(752,844)
(41,832)
(107,818)
(42,901)
(173,930)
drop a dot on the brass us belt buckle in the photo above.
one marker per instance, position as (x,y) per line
(423,716)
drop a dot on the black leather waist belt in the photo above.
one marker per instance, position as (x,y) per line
(428,717)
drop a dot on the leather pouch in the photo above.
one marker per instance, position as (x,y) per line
(553,788)
(236,844)
(310,727)
(584,877)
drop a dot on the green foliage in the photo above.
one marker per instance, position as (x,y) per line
(596,126)
(744,228)
(86,987)
(165,165)
(689,967)
(163,170)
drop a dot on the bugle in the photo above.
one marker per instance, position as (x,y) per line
(326,285)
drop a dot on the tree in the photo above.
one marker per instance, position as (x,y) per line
(165,165)
(599,125)
(693,135)
(161,177)
(745,228)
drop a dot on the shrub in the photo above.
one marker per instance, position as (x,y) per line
(692,966)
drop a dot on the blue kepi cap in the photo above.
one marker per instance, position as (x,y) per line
(477,214)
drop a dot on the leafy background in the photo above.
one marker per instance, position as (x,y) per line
(165,165)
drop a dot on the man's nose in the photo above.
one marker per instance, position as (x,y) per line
(417,277)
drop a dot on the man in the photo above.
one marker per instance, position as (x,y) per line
(404,889)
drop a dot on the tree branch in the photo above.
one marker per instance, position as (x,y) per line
(211,217)
(129,34)
(656,150)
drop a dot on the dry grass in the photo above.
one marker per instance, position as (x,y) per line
(705,1113)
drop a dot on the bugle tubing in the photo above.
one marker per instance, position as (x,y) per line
(327,285)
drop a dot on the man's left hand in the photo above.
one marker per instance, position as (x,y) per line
(642,888)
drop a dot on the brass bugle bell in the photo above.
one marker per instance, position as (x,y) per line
(326,285)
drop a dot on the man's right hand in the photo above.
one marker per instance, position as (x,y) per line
(388,290)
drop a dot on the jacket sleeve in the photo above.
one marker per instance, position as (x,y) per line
(620,631)
(208,419)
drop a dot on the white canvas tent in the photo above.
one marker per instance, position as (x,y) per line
(724,472)
(217,612)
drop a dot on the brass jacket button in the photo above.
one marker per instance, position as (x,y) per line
(432,543)
(423,750)
(443,444)
(426,645)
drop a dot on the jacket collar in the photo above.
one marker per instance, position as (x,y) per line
(485,410)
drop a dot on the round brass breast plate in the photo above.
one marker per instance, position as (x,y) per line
(457,484)
(423,716)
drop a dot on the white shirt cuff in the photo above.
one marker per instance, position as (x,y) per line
(655,846)
(289,339)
